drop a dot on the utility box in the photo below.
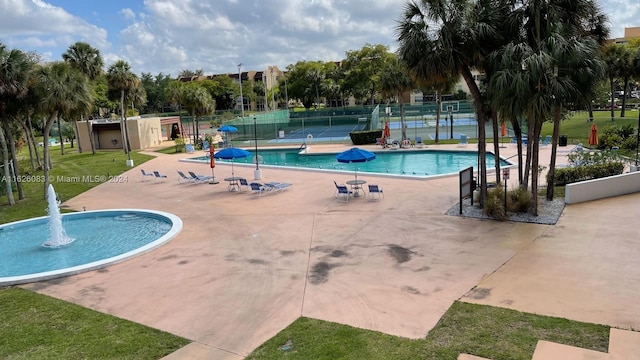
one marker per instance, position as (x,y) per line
(562,140)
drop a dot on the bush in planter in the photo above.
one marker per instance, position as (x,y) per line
(365,137)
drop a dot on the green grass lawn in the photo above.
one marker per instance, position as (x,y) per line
(485,331)
(578,128)
(36,326)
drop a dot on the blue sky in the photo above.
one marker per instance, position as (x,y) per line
(171,35)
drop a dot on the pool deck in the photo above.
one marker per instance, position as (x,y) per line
(243,268)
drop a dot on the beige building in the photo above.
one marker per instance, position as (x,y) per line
(629,33)
(143,132)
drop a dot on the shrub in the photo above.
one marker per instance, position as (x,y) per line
(570,175)
(365,137)
(179,143)
(494,205)
(518,200)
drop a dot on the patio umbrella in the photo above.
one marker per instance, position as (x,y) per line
(593,138)
(212,163)
(386,134)
(503,131)
(227,129)
(230,154)
(355,155)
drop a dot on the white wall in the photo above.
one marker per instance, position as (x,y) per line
(602,188)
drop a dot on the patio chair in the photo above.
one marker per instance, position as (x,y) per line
(205,145)
(199,179)
(419,143)
(182,178)
(159,177)
(243,184)
(342,192)
(546,141)
(189,148)
(463,140)
(375,189)
(145,175)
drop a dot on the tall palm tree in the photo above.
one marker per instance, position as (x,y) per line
(612,55)
(447,39)
(61,89)
(394,81)
(14,77)
(198,102)
(88,60)
(120,78)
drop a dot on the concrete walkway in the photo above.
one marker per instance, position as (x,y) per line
(243,268)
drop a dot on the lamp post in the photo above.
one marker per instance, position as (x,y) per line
(257,174)
(273,102)
(286,92)
(241,98)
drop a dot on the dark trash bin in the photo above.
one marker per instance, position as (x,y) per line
(562,140)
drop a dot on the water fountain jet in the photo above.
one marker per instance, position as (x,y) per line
(57,235)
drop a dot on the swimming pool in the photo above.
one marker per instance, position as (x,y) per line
(416,163)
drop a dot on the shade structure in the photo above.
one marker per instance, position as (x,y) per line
(593,137)
(355,155)
(212,164)
(227,129)
(386,132)
(231,154)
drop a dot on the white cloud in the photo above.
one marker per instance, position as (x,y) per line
(128,14)
(37,25)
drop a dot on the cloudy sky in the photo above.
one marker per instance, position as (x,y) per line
(216,35)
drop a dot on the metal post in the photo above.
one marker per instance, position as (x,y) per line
(273,102)
(638,141)
(257,174)
(241,98)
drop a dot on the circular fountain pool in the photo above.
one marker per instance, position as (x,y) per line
(101,238)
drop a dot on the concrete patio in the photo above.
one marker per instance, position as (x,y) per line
(244,268)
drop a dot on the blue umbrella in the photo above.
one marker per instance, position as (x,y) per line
(227,129)
(230,154)
(355,155)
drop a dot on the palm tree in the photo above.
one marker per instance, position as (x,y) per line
(447,39)
(198,102)
(14,77)
(120,78)
(88,60)
(612,55)
(395,80)
(61,89)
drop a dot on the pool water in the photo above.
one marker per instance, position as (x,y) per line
(99,236)
(398,162)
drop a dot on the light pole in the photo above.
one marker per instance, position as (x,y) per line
(257,173)
(273,102)
(241,98)
(286,92)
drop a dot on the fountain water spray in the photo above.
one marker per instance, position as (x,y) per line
(57,236)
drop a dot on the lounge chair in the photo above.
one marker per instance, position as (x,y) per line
(342,192)
(259,189)
(205,145)
(419,143)
(546,141)
(145,174)
(189,148)
(159,177)
(375,189)
(463,140)
(278,186)
(199,179)
(182,178)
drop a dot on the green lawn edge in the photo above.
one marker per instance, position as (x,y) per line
(36,326)
(481,330)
